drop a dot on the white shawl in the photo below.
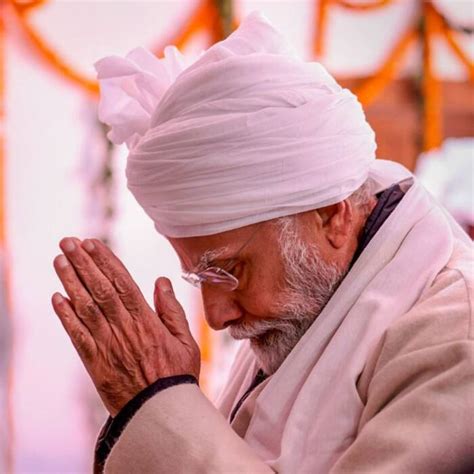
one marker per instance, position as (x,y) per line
(306,415)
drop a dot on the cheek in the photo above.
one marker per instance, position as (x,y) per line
(260,298)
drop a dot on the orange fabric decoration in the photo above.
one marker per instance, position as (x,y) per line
(321,11)
(321,14)
(51,58)
(369,90)
(23,6)
(206,345)
(204,17)
(432,106)
(362,6)
(450,38)
(196,22)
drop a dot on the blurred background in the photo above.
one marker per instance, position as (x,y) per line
(409,61)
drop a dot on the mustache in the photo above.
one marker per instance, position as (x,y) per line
(261,327)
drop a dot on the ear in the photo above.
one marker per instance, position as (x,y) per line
(337,223)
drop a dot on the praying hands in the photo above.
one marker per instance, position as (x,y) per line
(124,344)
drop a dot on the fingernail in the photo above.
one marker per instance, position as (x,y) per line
(61,261)
(88,245)
(68,245)
(57,298)
(165,286)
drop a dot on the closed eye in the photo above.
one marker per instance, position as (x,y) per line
(234,268)
(230,266)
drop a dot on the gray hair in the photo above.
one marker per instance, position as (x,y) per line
(360,198)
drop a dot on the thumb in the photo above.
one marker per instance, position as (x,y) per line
(169,309)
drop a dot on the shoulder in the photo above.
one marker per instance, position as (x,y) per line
(416,384)
(416,387)
(439,325)
(443,313)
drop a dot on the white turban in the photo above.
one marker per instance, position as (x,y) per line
(246,133)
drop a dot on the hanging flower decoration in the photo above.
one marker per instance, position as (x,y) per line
(205,17)
(431,87)
(458,20)
(362,6)
(449,33)
(370,89)
(23,6)
(434,24)
(49,56)
(322,10)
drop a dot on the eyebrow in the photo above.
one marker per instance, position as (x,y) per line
(208,257)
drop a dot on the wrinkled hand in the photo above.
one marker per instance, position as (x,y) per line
(124,344)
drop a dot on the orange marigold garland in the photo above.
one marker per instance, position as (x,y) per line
(321,18)
(362,6)
(204,17)
(23,6)
(51,57)
(450,38)
(321,12)
(369,90)
(433,24)
(196,22)
(432,105)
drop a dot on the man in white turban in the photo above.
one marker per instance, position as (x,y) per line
(350,285)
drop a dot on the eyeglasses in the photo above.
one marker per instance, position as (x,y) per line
(216,276)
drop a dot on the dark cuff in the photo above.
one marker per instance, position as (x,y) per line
(114,427)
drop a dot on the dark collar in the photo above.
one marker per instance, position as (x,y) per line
(387,201)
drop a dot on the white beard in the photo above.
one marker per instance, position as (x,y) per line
(309,284)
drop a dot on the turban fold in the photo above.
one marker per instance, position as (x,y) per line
(246,133)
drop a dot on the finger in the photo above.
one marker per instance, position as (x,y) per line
(108,263)
(96,283)
(82,303)
(80,336)
(170,310)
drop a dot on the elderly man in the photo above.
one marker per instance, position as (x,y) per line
(350,285)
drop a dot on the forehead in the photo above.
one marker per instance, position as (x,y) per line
(194,251)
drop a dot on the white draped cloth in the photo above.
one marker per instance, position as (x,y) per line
(306,415)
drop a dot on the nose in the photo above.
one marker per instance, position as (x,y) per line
(221,307)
